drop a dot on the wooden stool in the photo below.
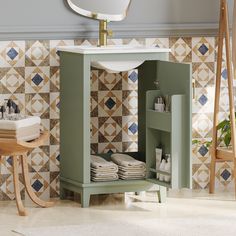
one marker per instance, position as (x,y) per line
(18,150)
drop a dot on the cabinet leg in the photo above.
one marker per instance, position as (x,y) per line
(62,193)
(162,192)
(85,199)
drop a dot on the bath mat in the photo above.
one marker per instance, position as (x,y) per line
(188,226)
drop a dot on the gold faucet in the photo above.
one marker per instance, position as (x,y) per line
(103,33)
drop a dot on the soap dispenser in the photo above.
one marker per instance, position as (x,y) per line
(159,104)
(167,168)
(17,112)
(10,107)
(162,168)
(3,112)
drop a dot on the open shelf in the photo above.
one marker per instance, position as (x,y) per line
(163,118)
(161,183)
(170,130)
(159,172)
(118,182)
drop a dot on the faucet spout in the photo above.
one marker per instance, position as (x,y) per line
(103,33)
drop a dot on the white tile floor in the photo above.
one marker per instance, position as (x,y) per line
(183,203)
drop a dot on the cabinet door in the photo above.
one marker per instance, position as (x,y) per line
(171,130)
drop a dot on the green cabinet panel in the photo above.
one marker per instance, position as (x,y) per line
(75,72)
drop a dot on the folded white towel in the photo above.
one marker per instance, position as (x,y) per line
(133,169)
(104,170)
(124,177)
(100,163)
(104,175)
(104,179)
(126,161)
(134,174)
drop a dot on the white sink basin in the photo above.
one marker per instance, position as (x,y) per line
(113,66)
(116,66)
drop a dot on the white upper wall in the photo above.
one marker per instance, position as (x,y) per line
(51,19)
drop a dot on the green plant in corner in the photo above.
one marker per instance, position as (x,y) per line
(224,129)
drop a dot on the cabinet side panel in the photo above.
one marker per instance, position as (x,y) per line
(74,116)
(175,78)
(147,76)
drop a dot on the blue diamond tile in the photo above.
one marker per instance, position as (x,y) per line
(9,160)
(224,74)
(58,158)
(203,150)
(203,49)
(110,103)
(133,128)
(12,53)
(110,152)
(203,100)
(37,185)
(58,105)
(225,174)
(37,79)
(133,76)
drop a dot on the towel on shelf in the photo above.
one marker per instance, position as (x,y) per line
(104,175)
(124,177)
(133,169)
(103,179)
(105,170)
(126,161)
(129,168)
(100,163)
(102,170)
(132,174)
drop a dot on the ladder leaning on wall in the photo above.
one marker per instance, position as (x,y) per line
(222,154)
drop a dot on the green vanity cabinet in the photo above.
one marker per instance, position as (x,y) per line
(173,129)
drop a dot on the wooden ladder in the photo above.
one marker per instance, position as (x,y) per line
(223,154)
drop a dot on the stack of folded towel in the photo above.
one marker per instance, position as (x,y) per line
(129,168)
(24,129)
(102,170)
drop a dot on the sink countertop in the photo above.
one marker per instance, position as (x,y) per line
(112,49)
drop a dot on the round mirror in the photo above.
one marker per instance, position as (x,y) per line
(109,10)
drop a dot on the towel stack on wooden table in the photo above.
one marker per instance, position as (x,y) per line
(102,170)
(25,129)
(129,168)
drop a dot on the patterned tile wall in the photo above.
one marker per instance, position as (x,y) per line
(29,74)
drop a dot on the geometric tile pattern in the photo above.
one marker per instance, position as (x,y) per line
(29,74)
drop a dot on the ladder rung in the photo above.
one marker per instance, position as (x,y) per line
(223,154)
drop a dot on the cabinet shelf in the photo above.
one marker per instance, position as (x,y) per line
(160,172)
(163,118)
(171,130)
(161,183)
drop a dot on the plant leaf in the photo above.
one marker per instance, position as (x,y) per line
(196,142)
(227,139)
(222,124)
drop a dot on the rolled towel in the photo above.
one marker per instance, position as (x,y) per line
(126,161)
(98,163)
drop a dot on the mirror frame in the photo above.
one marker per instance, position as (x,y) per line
(98,16)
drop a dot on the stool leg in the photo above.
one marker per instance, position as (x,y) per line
(20,206)
(28,186)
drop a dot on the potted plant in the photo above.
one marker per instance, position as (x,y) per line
(224,129)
